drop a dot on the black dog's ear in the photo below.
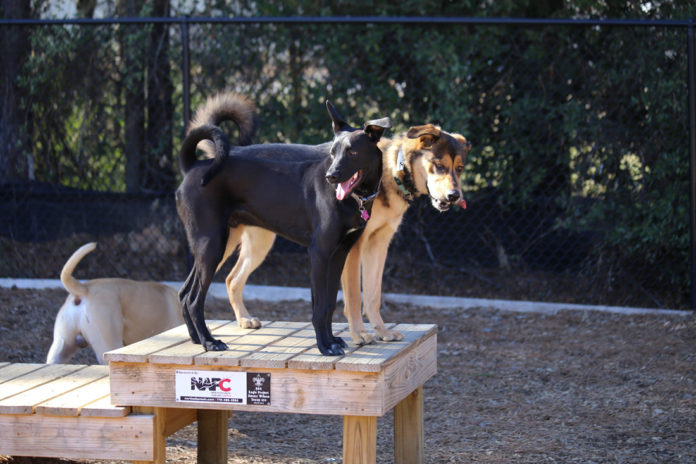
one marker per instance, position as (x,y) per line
(339,124)
(375,128)
(427,133)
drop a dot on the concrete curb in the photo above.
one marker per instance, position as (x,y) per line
(272,293)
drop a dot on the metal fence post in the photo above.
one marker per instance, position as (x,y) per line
(185,69)
(691,49)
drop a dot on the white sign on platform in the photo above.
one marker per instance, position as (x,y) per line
(251,388)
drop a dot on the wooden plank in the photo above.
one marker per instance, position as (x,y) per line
(182,353)
(415,334)
(10,371)
(103,408)
(26,401)
(128,438)
(312,359)
(233,330)
(71,402)
(374,357)
(212,436)
(159,437)
(360,440)
(35,378)
(296,391)
(240,342)
(139,351)
(411,370)
(297,325)
(4,364)
(239,348)
(276,354)
(176,419)
(185,352)
(408,429)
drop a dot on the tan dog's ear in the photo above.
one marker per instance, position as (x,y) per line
(463,140)
(427,134)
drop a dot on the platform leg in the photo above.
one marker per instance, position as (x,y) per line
(160,437)
(212,436)
(408,429)
(359,439)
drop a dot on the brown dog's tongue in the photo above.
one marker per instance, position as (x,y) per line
(462,203)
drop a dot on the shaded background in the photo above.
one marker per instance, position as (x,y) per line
(577,184)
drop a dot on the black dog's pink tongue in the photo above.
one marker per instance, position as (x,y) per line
(342,190)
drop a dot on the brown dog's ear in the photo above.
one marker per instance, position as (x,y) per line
(427,134)
(375,128)
(339,124)
(463,141)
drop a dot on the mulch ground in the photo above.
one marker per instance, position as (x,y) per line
(573,387)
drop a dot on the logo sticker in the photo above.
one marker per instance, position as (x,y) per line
(223,387)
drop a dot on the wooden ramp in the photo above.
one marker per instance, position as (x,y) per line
(65,411)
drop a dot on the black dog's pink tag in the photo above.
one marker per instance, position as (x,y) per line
(364,214)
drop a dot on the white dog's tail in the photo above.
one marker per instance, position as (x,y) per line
(71,284)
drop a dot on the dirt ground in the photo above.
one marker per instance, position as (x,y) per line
(573,387)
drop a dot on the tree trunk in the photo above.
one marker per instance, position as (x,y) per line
(14,162)
(160,172)
(134,96)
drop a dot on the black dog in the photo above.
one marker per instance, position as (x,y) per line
(294,199)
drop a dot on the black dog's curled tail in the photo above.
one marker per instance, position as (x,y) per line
(229,106)
(187,156)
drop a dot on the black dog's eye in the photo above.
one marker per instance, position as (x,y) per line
(353,153)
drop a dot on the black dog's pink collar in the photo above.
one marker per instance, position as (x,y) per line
(364,213)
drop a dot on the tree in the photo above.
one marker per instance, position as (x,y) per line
(14,162)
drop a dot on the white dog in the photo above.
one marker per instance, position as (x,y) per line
(109,313)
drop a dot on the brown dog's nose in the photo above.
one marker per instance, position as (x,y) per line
(453,196)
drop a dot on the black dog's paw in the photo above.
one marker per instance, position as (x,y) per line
(215,345)
(332,350)
(339,341)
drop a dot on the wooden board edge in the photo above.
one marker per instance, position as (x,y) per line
(129,438)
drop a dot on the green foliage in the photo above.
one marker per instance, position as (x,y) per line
(74,141)
(592,118)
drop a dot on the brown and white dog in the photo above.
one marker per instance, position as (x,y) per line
(109,313)
(425,160)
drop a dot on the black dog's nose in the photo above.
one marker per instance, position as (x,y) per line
(453,196)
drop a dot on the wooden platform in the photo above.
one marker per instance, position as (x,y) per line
(65,411)
(278,369)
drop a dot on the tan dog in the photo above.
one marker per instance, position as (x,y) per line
(109,313)
(424,161)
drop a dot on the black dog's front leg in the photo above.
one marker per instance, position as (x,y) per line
(322,305)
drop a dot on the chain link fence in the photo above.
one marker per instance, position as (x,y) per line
(577,184)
